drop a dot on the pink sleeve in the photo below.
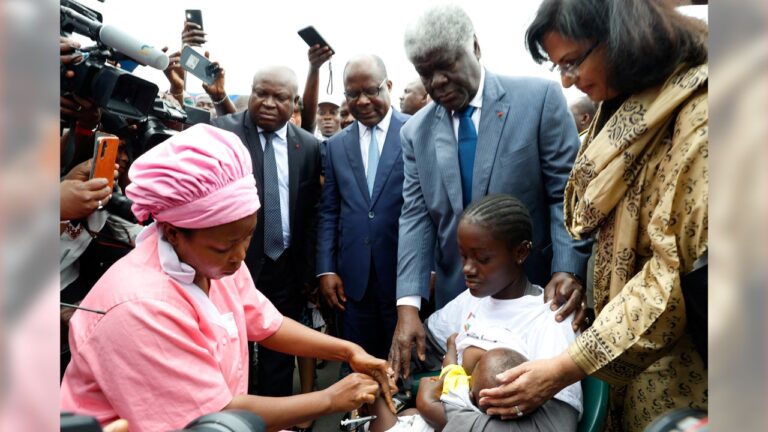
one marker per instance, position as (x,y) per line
(153,365)
(262,319)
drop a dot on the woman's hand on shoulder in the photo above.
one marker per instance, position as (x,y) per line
(528,386)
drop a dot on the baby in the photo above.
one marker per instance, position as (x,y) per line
(453,396)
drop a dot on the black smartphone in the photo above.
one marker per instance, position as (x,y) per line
(198,65)
(312,37)
(195,16)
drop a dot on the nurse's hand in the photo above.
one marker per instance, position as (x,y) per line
(351,392)
(361,361)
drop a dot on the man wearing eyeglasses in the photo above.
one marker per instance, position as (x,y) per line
(484,134)
(359,209)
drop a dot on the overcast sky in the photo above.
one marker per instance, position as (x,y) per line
(245,35)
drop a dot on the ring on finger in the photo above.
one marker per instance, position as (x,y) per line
(517,411)
(100,206)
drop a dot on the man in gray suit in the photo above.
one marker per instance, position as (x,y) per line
(484,134)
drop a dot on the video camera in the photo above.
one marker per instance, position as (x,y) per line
(113,89)
(124,98)
(224,421)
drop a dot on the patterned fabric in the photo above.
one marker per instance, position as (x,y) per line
(273,221)
(640,185)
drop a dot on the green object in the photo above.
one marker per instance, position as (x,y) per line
(595,401)
(595,404)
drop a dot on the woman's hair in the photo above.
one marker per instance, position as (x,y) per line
(645,40)
(504,216)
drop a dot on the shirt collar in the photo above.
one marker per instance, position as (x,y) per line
(477,101)
(383,124)
(281,133)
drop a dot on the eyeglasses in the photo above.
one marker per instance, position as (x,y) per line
(571,70)
(370,92)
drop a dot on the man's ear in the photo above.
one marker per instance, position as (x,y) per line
(477,48)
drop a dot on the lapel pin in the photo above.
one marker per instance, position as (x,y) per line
(500,113)
(297,146)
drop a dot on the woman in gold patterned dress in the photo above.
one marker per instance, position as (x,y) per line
(639,187)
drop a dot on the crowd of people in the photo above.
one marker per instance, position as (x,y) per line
(485,229)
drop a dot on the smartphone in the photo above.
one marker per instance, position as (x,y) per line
(198,65)
(195,16)
(104,157)
(312,37)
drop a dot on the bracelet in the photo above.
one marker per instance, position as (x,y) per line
(220,101)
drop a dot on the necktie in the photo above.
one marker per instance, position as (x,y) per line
(373,160)
(467,144)
(273,221)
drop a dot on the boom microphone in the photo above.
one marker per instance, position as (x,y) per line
(115,38)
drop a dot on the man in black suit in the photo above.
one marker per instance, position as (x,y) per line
(286,164)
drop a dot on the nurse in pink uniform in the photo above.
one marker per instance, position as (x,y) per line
(181,306)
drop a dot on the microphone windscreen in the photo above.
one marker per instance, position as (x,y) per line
(132,47)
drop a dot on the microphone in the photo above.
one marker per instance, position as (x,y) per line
(132,47)
(114,38)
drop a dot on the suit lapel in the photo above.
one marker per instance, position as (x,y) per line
(446,149)
(295,154)
(493,116)
(351,144)
(389,155)
(253,143)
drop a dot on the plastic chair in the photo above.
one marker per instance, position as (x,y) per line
(595,402)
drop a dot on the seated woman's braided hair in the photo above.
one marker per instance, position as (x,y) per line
(504,216)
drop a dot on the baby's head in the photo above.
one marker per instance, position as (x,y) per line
(490,364)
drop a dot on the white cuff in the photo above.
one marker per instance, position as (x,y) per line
(326,273)
(414,301)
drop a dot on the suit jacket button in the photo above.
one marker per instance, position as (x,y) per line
(370,214)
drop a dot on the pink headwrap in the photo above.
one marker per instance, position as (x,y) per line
(199,178)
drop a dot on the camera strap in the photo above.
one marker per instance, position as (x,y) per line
(329,87)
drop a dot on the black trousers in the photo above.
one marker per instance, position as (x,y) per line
(272,375)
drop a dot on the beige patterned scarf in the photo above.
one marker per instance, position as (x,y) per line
(611,169)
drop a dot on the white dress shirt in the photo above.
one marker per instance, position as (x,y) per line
(280,144)
(476,102)
(381,135)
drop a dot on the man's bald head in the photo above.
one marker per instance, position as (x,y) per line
(273,96)
(367,88)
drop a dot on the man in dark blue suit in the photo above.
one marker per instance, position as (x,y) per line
(359,209)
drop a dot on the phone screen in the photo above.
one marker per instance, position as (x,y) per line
(195,16)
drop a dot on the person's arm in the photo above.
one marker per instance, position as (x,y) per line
(330,207)
(415,254)
(428,402)
(281,413)
(558,145)
(317,55)
(451,356)
(297,339)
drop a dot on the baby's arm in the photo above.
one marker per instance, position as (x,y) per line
(384,417)
(428,402)
(451,356)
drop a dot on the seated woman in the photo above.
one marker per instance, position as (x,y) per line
(179,308)
(494,236)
